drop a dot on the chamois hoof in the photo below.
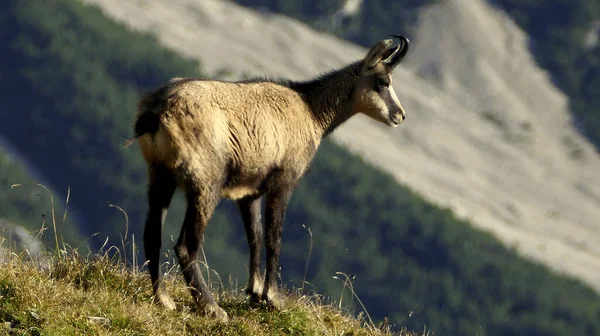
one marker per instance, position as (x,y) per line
(212,310)
(274,300)
(165,300)
(254,297)
(254,289)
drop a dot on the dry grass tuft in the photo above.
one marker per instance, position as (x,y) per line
(99,295)
(105,294)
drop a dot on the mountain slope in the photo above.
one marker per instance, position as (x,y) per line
(407,255)
(487,134)
(564,38)
(69,78)
(25,203)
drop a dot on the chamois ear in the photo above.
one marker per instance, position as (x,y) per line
(378,52)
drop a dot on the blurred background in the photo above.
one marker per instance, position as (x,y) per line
(477,216)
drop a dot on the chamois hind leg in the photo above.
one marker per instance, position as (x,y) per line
(161,187)
(201,203)
(276,204)
(250,211)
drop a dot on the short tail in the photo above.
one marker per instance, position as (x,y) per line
(148,120)
(146,123)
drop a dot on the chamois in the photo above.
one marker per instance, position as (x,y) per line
(243,140)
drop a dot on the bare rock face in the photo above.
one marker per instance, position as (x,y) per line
(16,241)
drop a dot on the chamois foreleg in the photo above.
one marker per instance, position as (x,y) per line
(250,212)
(201,203)
(161,187)
(276,204)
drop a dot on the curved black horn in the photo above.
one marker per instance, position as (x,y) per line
(400,55)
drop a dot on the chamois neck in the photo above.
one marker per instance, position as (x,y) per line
(329,97)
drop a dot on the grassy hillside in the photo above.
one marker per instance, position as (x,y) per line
(99,296)
(71,79)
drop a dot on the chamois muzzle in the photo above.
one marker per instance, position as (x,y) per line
(397,58)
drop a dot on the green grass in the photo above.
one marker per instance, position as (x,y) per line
(100,295)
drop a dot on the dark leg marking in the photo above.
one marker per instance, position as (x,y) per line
(251,216)
(200,207)
(276,204)
(161,187)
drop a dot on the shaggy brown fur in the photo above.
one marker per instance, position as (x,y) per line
(242,140)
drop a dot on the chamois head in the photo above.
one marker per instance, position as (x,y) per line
(375,96)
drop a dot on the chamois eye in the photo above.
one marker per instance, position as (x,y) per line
(382,83)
